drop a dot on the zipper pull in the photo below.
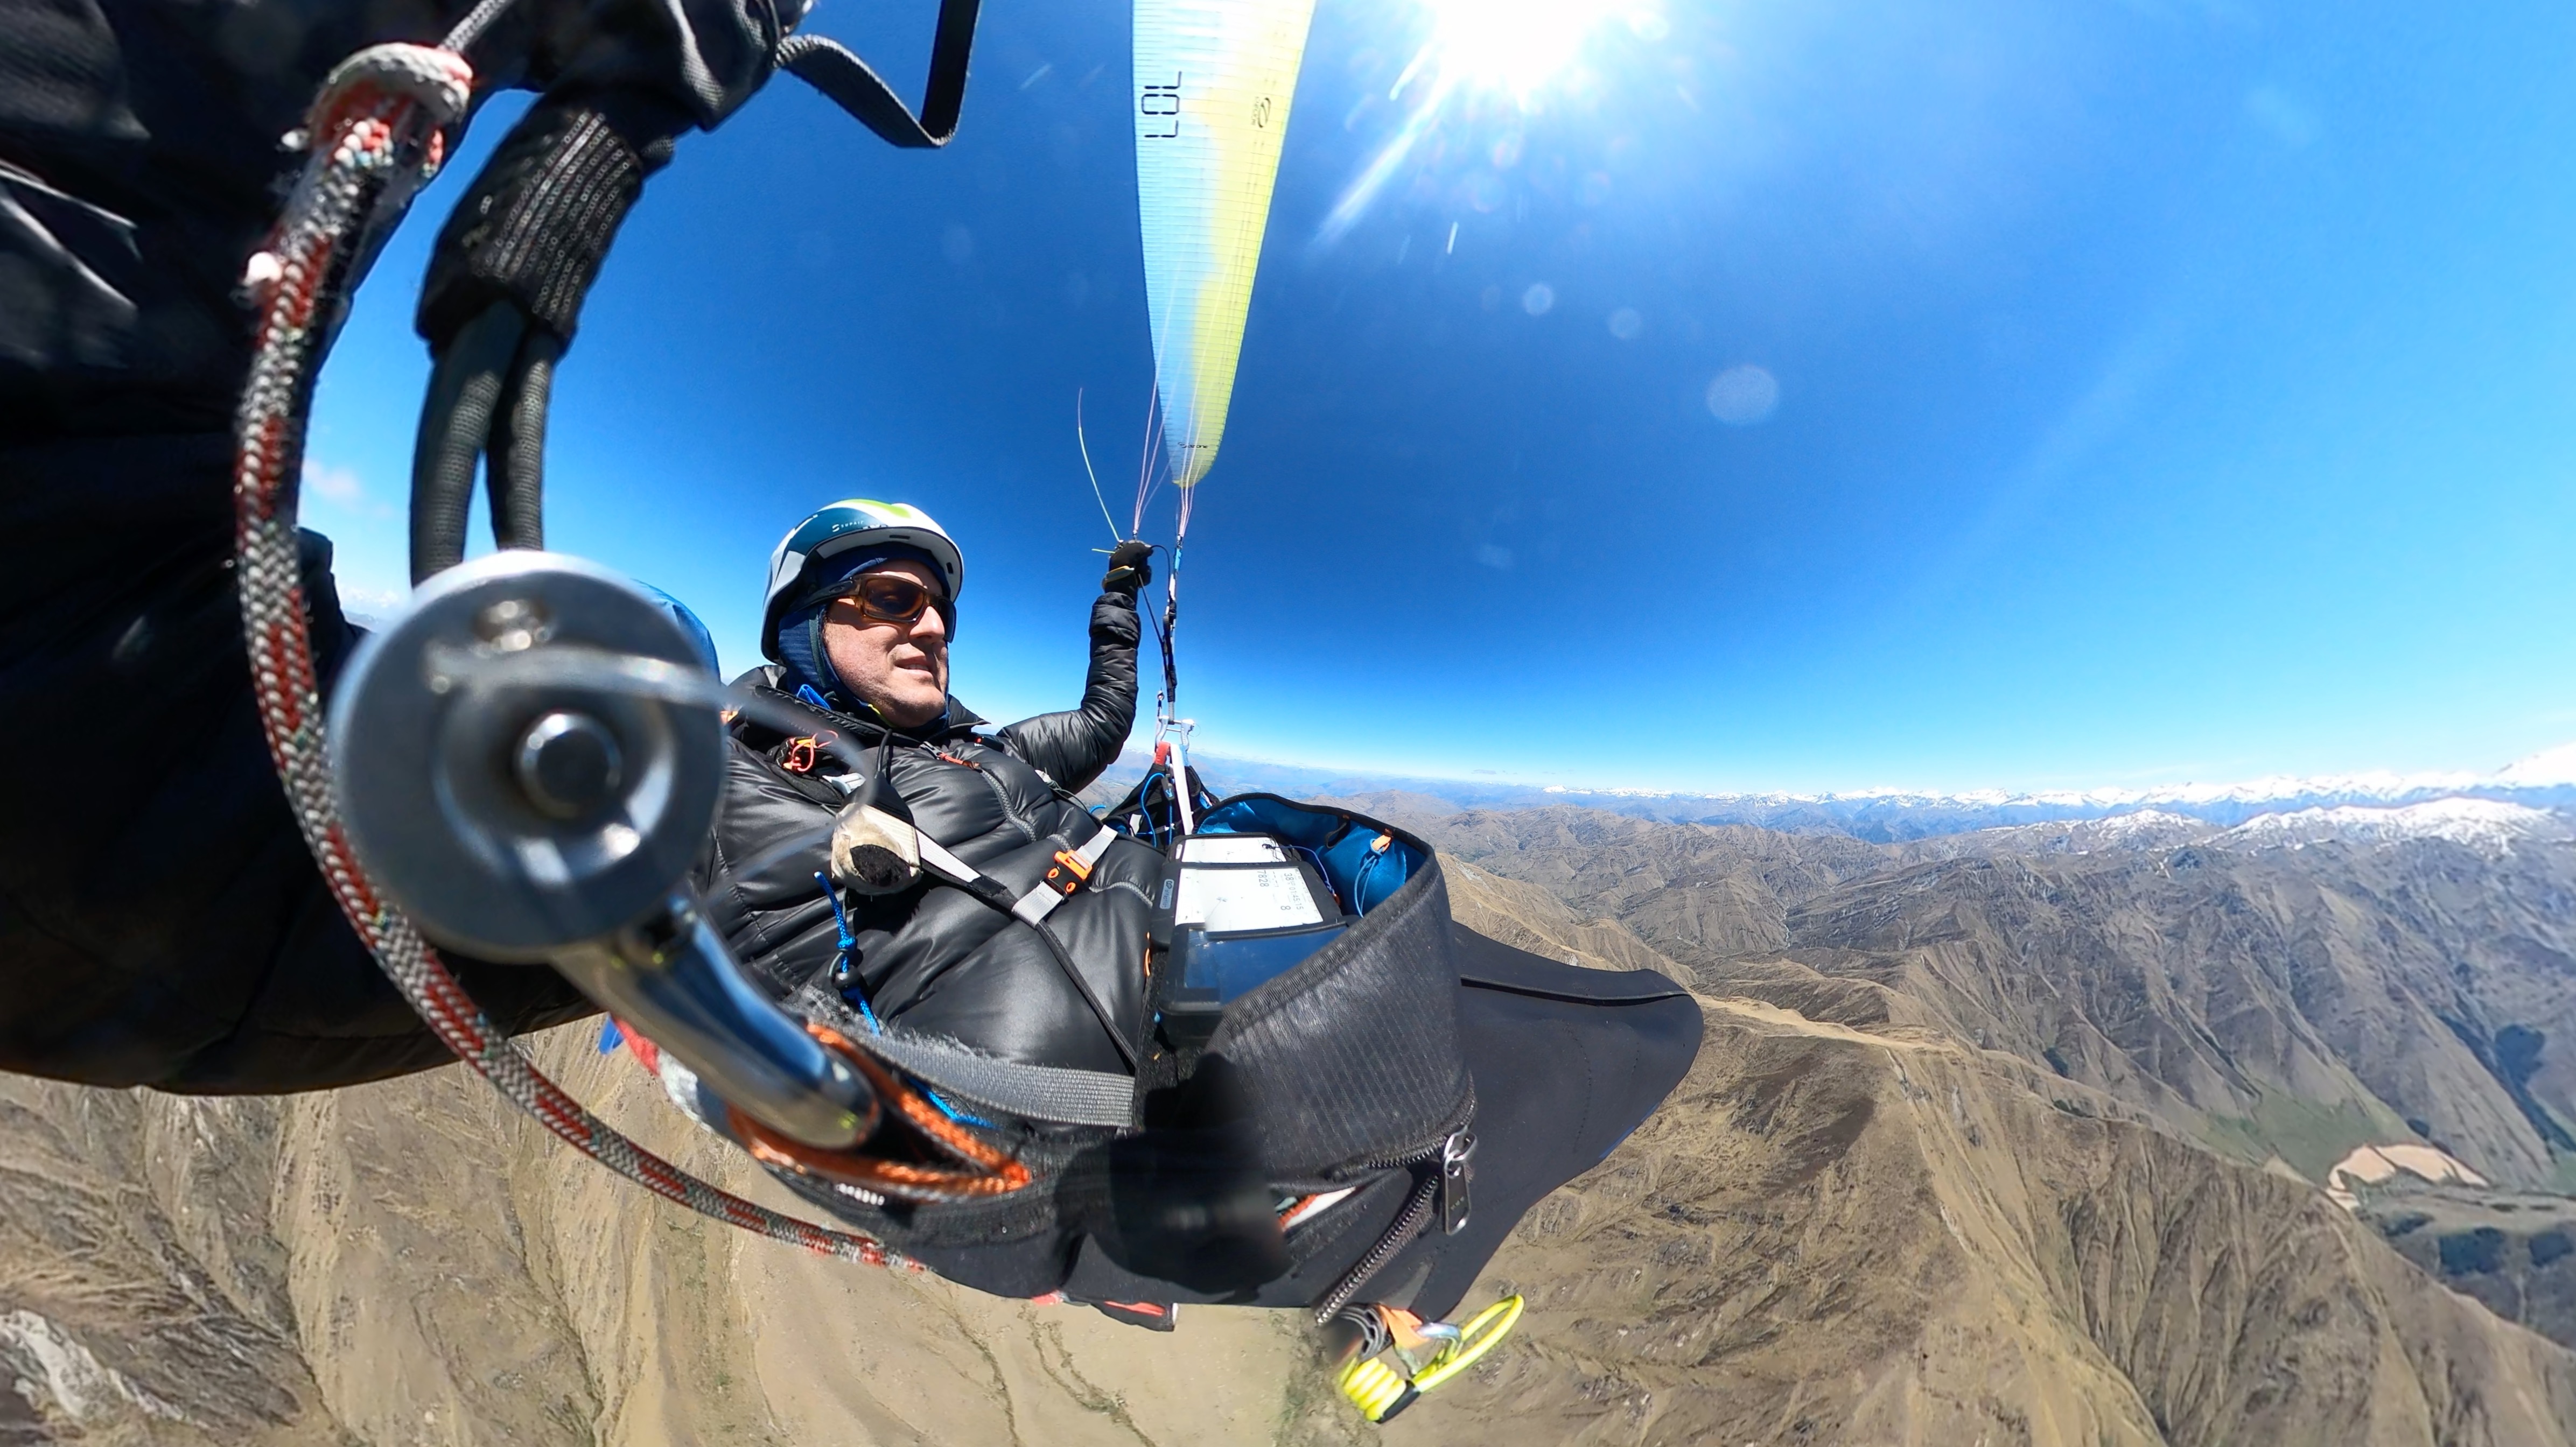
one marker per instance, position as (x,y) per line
(1454,1155)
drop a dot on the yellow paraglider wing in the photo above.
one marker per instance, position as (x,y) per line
(1214,79)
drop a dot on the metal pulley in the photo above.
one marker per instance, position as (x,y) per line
(511,798)
(528,760)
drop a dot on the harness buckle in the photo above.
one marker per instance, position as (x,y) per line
(1078,863)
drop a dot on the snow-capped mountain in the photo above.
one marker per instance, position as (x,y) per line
(2489,826)
(2361,805)
(2542,784)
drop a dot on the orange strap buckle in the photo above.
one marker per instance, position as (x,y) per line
(800,755)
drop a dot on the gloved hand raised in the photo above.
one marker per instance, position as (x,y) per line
(1131,568)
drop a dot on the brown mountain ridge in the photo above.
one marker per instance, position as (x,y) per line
(1990,1142)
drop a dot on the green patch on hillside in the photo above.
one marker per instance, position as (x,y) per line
(2310,1136)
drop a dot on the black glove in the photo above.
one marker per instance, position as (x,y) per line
(503,296)
(1131,568)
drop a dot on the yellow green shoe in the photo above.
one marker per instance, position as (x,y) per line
(1430,1353)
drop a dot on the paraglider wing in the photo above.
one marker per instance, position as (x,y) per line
(1214,79)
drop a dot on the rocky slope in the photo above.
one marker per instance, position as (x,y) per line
(2264,998)
(412,1262)
(1877,1211)
(2515,1253)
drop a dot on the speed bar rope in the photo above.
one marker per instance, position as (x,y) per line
(374,137)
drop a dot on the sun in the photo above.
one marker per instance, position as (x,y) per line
(1471,54)
(1517,46)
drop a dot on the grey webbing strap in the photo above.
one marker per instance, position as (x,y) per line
(1032,1092)
(947,866)
(1041,899)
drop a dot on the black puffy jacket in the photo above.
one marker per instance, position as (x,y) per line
(935,957)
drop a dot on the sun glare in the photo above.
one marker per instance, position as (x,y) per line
(1484,65)
(1514,45)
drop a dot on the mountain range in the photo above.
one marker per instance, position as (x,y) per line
(2545,780)
(2143,1127)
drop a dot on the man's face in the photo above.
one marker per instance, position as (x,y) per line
(900,669)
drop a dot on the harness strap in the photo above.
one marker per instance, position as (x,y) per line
(936,858)
(1071,868)
(1034,1092)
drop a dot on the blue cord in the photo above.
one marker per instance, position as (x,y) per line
(952,1112)
(856,993)
(1321,869)
(853,989)
(1360,878)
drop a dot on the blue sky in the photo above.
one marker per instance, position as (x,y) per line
(2147,391)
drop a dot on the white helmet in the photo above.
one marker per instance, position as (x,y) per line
(836,529)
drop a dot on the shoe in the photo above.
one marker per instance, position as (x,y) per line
(1431,1352)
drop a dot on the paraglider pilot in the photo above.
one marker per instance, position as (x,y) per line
(861,611)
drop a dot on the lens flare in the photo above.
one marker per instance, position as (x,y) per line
(1478,66)
(1512,45)
(1743,395)
(1477,73)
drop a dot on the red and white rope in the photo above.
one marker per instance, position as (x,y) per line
(375,136)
